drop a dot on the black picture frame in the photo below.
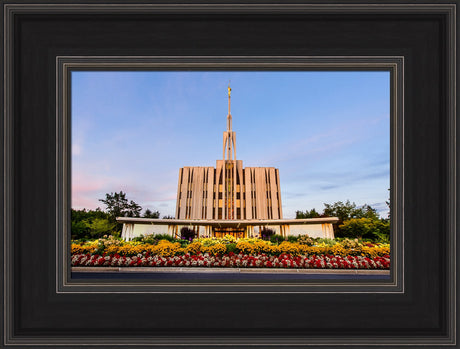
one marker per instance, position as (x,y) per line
(389,281)
(421,311)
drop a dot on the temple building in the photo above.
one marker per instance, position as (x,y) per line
(229,191)
(228,199)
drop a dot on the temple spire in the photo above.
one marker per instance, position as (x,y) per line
(229,167)
(229,116)
(229,149)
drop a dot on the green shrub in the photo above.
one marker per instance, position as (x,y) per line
(292,238)
(153,239)
(357,227)
(165,237)
(377,230)
(99,227)
(79,230)
(80,240)
(182,242)
(382,238)
(232,248)
(381,231)
(328,242)
(277,239)
(91,224)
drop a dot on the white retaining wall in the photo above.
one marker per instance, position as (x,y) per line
(324,230)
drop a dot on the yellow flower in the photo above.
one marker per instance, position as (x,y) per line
(218,246)
(193,248)
(289,247)
(245,247)
(166,249)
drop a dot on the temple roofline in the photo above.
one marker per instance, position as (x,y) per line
(219,222)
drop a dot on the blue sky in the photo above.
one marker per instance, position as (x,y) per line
(328,133)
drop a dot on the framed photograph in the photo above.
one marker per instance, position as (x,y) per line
(49,48)
(250,219)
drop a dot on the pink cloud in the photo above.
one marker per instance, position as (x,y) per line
(82,182)
(87,189)
(80,202)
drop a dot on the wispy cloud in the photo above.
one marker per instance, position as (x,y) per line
(321,144)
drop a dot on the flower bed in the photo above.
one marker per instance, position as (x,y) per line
(230,252)
(233,261)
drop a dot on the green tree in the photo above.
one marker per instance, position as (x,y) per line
(149,214)
(367,211)
(307,214)
(81,222)
(79,230)
(119,206)
(346,211)
(99,227)
(341,210)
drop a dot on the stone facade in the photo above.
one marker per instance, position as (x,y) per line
(255,194)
